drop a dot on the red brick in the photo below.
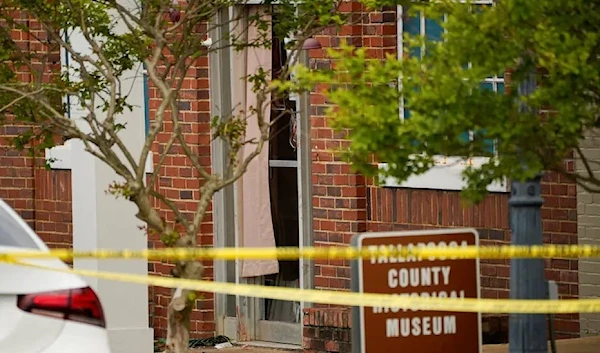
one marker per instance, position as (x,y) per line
(344,202)
(390,209)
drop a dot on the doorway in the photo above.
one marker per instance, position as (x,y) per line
(258,319)
(280,320)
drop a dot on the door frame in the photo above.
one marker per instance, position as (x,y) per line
(224,213)
(247,325)
(283,332)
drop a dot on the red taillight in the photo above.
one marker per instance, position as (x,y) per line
(81,305)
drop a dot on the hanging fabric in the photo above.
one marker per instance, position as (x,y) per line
(254,203)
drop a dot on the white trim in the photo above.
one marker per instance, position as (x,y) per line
(149,169)
(280,163)
(400,53)
(445,175)
(305,195)
(59,157)
(62,156)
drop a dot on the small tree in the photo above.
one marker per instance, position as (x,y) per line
(442,98)
(167,37)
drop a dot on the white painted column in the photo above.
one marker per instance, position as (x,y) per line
(102,221)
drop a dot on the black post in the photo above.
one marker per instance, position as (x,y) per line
(527,332)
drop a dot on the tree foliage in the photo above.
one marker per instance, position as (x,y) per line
(559,40)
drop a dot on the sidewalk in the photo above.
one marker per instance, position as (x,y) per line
(239,349)
(574,345)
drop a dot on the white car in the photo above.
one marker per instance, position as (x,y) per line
(43,311)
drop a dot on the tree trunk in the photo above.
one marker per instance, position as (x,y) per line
(180,309)
(178,329)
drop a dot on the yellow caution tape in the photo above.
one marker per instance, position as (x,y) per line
(312,253)
(346,298)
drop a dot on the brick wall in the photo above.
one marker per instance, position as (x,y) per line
(404,209)
(340,195)
(41,197)
(588,212)
(327,330)
(180,182)
(53,207)
(17,172)
(345,202)
(16,175)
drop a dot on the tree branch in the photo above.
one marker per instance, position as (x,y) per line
(172,206)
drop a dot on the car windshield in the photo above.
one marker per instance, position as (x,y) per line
(13,232)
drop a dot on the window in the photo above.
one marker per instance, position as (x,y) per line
(447,173)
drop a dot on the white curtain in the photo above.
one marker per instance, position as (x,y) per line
(254,203)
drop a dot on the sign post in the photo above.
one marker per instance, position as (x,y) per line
(387,329)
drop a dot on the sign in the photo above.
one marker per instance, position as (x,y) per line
(387,329)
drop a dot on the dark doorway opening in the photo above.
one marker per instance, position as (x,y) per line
(284,193)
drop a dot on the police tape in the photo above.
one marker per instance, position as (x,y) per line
(315,253)
(393,302)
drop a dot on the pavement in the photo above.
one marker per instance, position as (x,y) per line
(574,345)
(239,349)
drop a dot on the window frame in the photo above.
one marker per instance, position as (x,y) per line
(446,174)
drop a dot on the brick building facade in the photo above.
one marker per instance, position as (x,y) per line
(344,202)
